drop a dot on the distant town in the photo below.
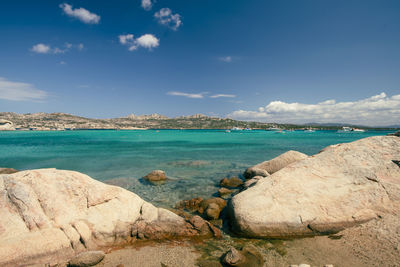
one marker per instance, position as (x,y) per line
(63,121)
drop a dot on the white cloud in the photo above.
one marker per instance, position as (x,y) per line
(147,4)
(41,49)
(222,95)
(82,14)
(226,59)
(199,95)
(165,17)
(188,95)
(63,63)
(47,49)
(17,91)
(148,41)
(378,110)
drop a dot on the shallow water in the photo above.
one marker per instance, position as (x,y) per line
(195,159)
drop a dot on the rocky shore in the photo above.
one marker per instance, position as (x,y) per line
(345,199)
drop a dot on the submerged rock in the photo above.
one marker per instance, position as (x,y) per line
(342,186)
(156,176)
(210,208)
(49,216)
(232,182)
(191,205)
(269,167)
(223,192)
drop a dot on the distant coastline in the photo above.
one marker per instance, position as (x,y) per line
(65,122)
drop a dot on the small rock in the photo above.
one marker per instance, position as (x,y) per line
(224,192)
(304,265)
(190,205)
(205,203)
(233,257)
(85,259)
(249,256)
(328,265)
(120,265)
(7,170)
(253,256)
(156,176)
(213,211)
(231,182)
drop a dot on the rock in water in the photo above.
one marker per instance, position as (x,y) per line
(224,192)
(86,259)
(231,182)
(49,215)
(267,168)
(156,176)
(342,186)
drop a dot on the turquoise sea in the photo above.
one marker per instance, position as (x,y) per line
(194,159)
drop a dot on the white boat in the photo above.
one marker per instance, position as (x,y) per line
(358,130)
(273,129)
(236,129)
(346,129)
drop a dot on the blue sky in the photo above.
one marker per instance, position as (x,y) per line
(285,61)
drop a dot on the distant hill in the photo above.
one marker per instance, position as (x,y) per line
(61,121)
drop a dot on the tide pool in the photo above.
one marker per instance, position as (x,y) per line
(194,159)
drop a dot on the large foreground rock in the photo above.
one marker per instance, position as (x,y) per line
(269,167)
(343,185)
(49,215)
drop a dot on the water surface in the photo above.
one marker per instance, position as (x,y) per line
(195,159)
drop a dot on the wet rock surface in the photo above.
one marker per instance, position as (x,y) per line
(156,177)
(232,182)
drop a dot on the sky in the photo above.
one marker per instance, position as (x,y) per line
(293,61)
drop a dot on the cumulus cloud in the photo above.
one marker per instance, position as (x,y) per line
(82,14)
(47,49)
(41,49)
(222,95)
(378,110)
(165,17)
(17,91)
(147,4)
(148,41)
(226,59)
